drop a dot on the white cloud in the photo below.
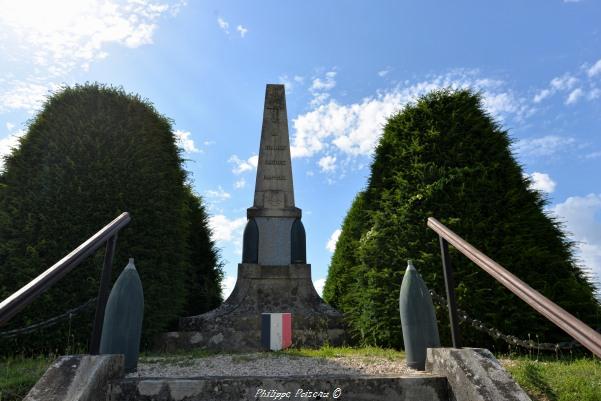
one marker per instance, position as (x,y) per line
(593,155)
(574,96)
(327,163)
(241,183)
(7,144)
(224,229)
(384,72)
(291,82)
(287,82)
(543,94)
(224,25)
(217,195)
(241,166)
(10,126)
(61,35)
(541,182)
(326,84)
(581,216)
(184,141)
(331,245)
(242,30)
(595,93)
(22,95)
(595,69)
(354,129)
(227,285)
(563,83)
(543,146)
(318,284)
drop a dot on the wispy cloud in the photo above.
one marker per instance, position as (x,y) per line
(241,166)
(184,141)
(225,229)
(354,129)
(544,146)
(65,34)
(331,244)
(291,82)
(327,163)
(47,40)
(227,285)
(384,72)
(320,87)
(8,143)
(242,30)
(574,96)
(23,95)
(217,195)
(541,182)
(224,25)
(595,69)
(241,183)
(319,284)
(581,217)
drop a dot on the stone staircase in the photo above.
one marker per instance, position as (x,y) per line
(466,374)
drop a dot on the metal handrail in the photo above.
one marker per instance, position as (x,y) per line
(574,327)
(29,292)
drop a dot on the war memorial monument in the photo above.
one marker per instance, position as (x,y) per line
(274,276)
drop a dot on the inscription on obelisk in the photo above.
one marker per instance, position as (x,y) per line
(274,191)
(273,207)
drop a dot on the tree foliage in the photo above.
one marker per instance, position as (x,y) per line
(445,157)
(92,153)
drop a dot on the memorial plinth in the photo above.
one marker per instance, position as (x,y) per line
(274,276)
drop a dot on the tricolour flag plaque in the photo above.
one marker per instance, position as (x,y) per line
(276,331)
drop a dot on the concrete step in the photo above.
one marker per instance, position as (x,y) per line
(301,388)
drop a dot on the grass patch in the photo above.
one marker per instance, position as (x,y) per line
(333,352)
(18,374)
(174,357)
(558,380)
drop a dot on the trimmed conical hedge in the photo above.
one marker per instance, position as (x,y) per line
(91,153)
(445,157)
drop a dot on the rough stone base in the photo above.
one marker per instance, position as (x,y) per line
(349,388)
(77,378)
(236,324)
(474,374)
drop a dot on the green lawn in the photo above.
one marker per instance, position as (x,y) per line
(564,380)
(545,380)
(19,374)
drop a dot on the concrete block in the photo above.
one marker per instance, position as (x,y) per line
(77,378)
(474,374)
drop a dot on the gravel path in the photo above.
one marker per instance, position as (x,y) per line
(265,364)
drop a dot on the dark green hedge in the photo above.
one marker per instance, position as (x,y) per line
(91,153)
(445,157)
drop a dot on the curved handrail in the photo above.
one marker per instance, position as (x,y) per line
(23,297)
(577,329)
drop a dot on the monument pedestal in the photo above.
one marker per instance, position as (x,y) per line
(236,324)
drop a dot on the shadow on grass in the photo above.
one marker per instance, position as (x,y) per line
(533,375)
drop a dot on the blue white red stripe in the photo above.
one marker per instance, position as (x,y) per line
(276,330)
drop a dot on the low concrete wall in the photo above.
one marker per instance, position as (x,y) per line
(77,378)
(349,388)
(474,374)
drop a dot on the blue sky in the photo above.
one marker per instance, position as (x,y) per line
(347,66)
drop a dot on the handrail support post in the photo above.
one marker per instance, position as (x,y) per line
(103,294)
(450,290)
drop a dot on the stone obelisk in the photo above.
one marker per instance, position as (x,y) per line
(274,276)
